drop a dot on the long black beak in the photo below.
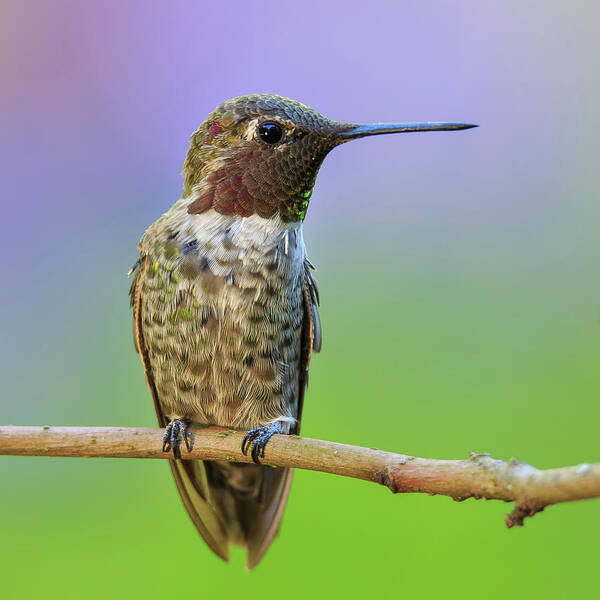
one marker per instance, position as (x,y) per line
(359,131)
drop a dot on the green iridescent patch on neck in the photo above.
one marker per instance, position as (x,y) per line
(296,209)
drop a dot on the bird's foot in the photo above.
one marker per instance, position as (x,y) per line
(258,438)
(177,430)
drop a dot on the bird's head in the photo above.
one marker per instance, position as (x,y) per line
(260,154)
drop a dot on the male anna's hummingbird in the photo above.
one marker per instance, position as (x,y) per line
(225,305)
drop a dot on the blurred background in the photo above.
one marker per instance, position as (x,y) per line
(458,276)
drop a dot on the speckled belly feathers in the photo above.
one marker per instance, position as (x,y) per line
(222,312)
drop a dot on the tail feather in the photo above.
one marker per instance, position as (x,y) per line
(234,503)
(265,525)
(193,491)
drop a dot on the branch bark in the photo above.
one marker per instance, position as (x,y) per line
(479,476)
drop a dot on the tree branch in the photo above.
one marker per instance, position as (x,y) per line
(479,476)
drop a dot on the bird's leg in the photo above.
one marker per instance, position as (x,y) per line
(176,430)
(258,438)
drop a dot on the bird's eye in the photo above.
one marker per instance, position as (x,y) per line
(270,133)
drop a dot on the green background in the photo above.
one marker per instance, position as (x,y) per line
(458,275)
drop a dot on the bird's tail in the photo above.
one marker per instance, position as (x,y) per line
(233,503)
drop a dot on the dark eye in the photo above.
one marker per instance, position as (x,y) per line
(270,133)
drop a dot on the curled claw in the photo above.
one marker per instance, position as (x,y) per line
(248,438)
(258,438)
(177,430)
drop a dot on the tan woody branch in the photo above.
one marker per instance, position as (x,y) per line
(479,476)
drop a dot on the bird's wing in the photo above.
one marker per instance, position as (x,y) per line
(135,301)
(277,482)
(311,331)
(190,478)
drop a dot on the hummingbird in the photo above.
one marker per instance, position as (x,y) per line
(225,305)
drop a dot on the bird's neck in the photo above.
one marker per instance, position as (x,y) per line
(252,232)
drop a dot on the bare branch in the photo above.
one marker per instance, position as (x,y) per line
(479,476)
